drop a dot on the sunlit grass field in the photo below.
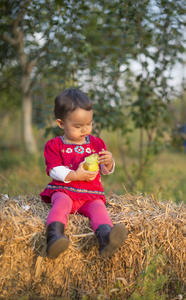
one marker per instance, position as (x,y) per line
(25,174)
(165,179)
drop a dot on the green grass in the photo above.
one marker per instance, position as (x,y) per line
(165,178)
(25,174)
(22,174)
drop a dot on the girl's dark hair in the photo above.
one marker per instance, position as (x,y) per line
(69,100)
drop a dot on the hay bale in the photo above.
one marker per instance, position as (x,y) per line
(153,228)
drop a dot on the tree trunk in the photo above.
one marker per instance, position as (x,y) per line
(27,130)
(26,67)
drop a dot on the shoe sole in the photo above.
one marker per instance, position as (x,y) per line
(57,248)
(117,237)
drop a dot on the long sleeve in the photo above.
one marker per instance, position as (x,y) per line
(52,155)
(104,171)
(59,173)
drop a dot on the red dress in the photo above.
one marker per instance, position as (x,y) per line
(58,152)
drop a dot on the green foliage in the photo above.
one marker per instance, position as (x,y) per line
(94,45)
(10,87)
(94,40)
(21,174)
(164,177)
(177,121)
(8,161)
(177,139)
(152,284)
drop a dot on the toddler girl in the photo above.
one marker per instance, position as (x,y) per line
(74,189)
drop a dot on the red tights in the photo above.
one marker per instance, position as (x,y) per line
(63,205)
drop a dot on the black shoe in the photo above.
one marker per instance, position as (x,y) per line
(110,238)
(57,242)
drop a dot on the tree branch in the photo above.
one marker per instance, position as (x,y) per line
(9,39)
(22,13)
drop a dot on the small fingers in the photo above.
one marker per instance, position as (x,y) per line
(104,160)
(92,175)
(103,151)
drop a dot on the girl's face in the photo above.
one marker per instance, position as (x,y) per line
(77,125)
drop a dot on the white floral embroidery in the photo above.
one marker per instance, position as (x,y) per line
(69,150)
(88,150)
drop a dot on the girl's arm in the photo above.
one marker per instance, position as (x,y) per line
(59,173)
(106,159)
(104,171)
(66,175)
(80,174)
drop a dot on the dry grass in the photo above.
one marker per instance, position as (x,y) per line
(153,228)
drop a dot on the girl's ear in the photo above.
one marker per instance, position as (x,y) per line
(60,123)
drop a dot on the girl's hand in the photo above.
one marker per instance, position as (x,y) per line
(83,175)
(106,159)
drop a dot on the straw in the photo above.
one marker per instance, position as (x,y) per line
(153,228)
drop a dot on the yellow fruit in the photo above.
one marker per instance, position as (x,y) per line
(91,163)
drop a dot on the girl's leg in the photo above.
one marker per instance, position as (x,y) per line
(96,212)
(57,242)
(61,208)
(110,237)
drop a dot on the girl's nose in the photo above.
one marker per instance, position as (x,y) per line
(84,129)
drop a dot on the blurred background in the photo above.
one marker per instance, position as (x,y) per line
(128,56)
